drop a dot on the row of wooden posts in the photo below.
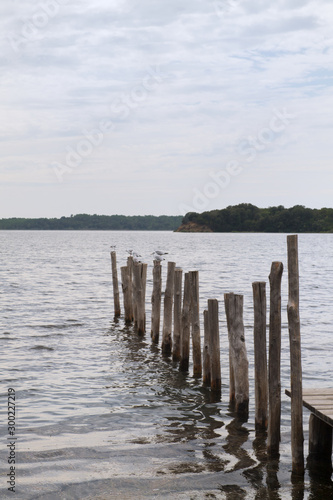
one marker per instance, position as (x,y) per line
(182,310)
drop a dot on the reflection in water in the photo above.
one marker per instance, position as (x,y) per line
(297,489)
(272,481)
(233,492)
(237,436)
(320,488)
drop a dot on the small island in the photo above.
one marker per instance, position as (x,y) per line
(249,218)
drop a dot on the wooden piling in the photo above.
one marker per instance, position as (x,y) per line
(115,284)
(131,291)
(297,439)
(156,301)
(126,293)
(214,343)
(195,323)
(130,285)
(320,447)
(167,317)
(139,275)
(239,365)
(274,362)
(260,355)
(206,352)
(186,326)
(177,314)
(144,286)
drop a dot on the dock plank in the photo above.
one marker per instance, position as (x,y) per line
(319,402)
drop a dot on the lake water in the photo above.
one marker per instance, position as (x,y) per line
(100,414)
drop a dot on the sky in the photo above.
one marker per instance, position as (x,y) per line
(144,107)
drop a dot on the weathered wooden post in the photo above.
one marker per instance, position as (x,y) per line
(239,365)
(195,323)
(126,292)
(214,342)
(130,264)
(167,317)
(134,290)
(206,352)
(186,326)
(297,438)
(139,274)
(130,286)
(144,285)
(260,355)
(274,355)
(115,284)
(320,447)
(156,301)
(177,314)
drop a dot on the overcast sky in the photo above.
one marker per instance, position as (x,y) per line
(163,107)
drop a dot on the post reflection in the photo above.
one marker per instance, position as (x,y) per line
(237,436)
(321,485)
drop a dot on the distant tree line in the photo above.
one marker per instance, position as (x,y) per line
(96,222)
(249,218)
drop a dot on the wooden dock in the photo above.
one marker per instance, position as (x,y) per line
(320,404)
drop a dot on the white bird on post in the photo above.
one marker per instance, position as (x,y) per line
(158,257)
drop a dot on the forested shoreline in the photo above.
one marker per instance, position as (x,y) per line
(249,218)
(96,222)
(237,218)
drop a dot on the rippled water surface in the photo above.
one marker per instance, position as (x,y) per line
(101,414)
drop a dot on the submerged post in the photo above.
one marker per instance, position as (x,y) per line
(177,314)
(167,317)
(186,326)
(115,284)
(214,342)
(260,355)
(239,365)
(274,369)
(126,292)
(156,301)
(297,438)
(195,323)
(206,352)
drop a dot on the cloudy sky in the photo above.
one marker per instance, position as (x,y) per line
(147,107)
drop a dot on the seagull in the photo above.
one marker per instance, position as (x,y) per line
(136,259)
(136,254)
(158,257)
(159,252)
(113,247)
(130,251)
